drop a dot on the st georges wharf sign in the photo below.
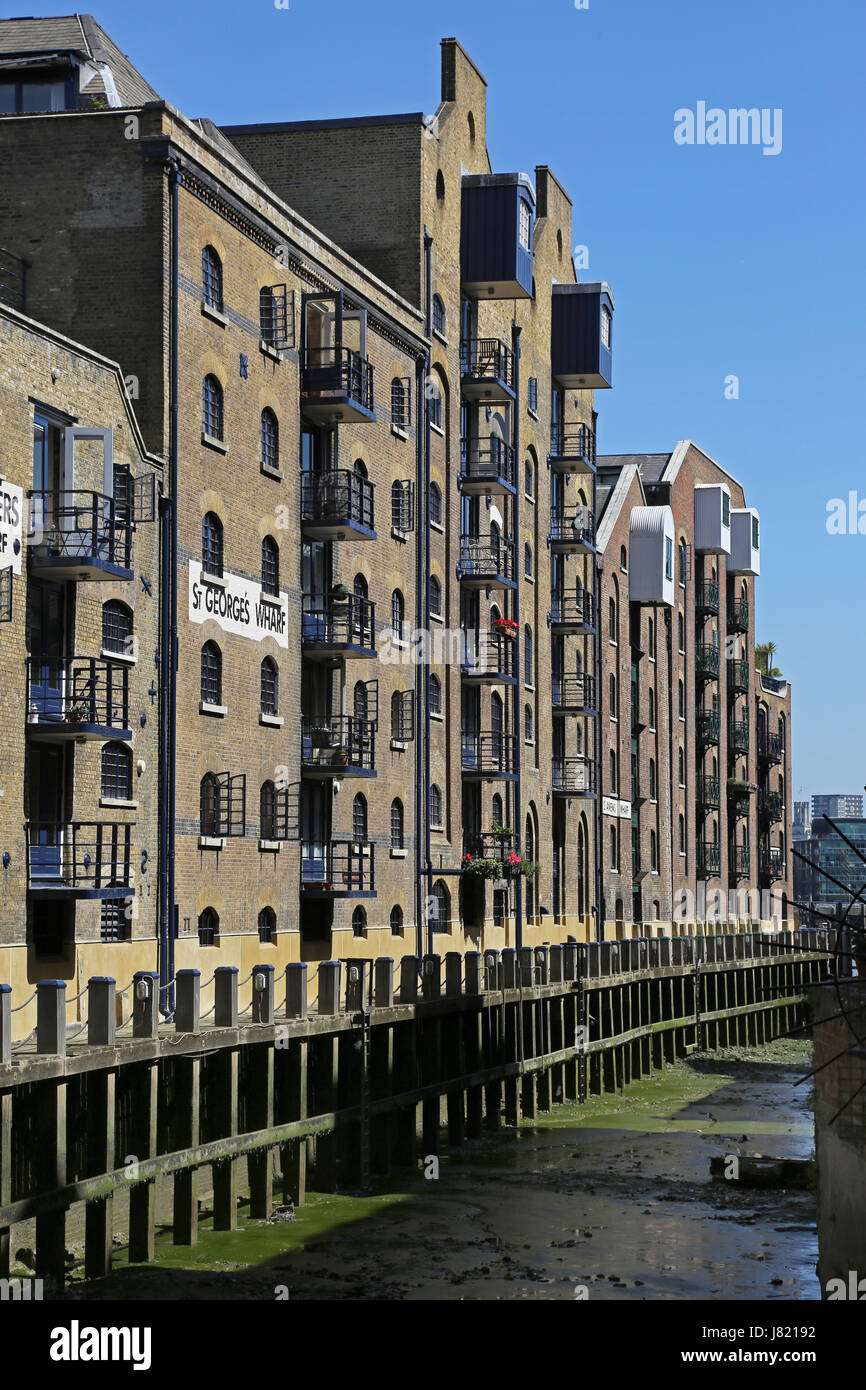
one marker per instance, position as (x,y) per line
(238,606)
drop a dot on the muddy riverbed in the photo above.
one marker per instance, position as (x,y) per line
(609,1200)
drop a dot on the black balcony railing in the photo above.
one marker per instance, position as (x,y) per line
(339,622)
(574,693)
(486,361)
(738,676)
(487,462)
(739,798)
(708,791)
(709,858)
(708,726)
(572,610)
(338,497)
(738,736)
(488,656)
(740,861)
(772,864)
(707,661)
(572,526)
(489,754)
(484,844)
(83,855)
(337,373)
(707,596)
(770,806)
(770,746)
(79,528)
(339,868)
(738,615)
(338,745)
(572,442)
(78,691)
(488,558)
(574,776)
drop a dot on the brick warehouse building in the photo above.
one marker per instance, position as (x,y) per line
(695,742)
(364,372)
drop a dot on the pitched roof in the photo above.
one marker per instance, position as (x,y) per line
(614,502)
(81,35)
(650,466)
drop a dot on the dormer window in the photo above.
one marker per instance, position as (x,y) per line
(726,509)
(525,225)
(605,326)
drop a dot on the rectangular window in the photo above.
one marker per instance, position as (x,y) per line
(500,906)
(669,557)
(605,326)
(754,533)
(532,394)
(726,509)
(525,225)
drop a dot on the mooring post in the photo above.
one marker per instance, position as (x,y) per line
(408,979)
(101,1011)
(187,1117)
(431,977)
(51,1017)
(383,982)
(293,1155)
(431,988)
(5,1123)
(263,994)
(525,965)
(187,1007)
(5,1024)
(101,1109)
(296,989)
(226,1102)
(225,993)
(473,967)
(144,1091)
(453,973)
(555,956)
(509,968)
(259,1094)
(145,1004)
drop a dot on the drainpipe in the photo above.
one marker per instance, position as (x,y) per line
(518,703)
(168,652)
(423,865)
(674,828)
(596,662)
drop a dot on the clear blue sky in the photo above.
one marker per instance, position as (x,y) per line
(722,259)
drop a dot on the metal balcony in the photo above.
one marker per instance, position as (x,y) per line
(338,746)
(78,859)
(486,562)
(488,658)
(738,677)
(574,777)
(486,370)
(770,748)
(336,385)
(770,807)
(489,756)
(338,627)
(337,505)
(77,697)
(708,727)
(708,792)
(707,597)
(573,612)
(709,859)
(739,861)
(773,864)
(706,661)
(738,616)
(338,869)
(572,530)
(739,800)
(486,465)
(79,535)
(572,449)
(483,844)
(738,736)
(573,695)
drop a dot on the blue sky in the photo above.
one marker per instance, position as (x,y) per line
(722,260)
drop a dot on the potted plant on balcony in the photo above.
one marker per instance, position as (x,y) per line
(507,627)
(736,784)
(477,866)
(76,714)
(340,593)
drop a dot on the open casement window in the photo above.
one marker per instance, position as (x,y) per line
(287,812)
(404,717)
(230,804)
(370,702)
(6,595)
(403,506)
(277,316)
(401,401)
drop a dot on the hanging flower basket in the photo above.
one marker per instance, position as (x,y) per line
(479,867)
(507,627)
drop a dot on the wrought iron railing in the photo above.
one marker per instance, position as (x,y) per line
(773,864)
(338,621)
(575,776)
(487,359)
(738,735)
(338,743)
(483,557)
(573,692)
(707,790)
(770,806)
(738,616)
(709,857)
(740,861)
(337,497)
(338,372)
(80,526)
(79,854)
(707,660)
(573,524)
(574,609)
(572,441)
(488,461)
(708,726)
(338,866)
(490,754)
(78,690)
(770,746)
(489,654)
(738,675)
(707,596)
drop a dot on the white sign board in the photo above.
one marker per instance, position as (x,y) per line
(11,527)
(238,606)
(625,810)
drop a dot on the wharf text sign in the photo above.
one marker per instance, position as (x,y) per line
(11,526)
(237,605)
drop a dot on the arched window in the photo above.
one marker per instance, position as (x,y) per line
(398,609)
(654,851)
(117,628)
(438,305)
(613,854)
(211,674)
(681,632)
(212,544)
(397,840)
(652,709)
(440,916)
(359,819)
(612,695)
(399,413)
(623,558)
(267,925)
(652,779)
(270,439)
(396,921)
(682,833)
(360,702)
(435,505)
(212,407)
(434,686)
(528,478)
(435,807)
(359,922)
(270,687)
(212,279)
(208,927)
(683,561)
(209,807)
(496,809)
(116,772)
(528,725)
(528,656)
(527,560)
(268,811)
(613,772)
(681,700)
(440,185)
(398,729)
(270,566)
(611,618)
(434,404)
(651,639)
(435,597)
(682,767)
(359,586)
(529,853)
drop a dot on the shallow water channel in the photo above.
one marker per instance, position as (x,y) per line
(609,1200)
